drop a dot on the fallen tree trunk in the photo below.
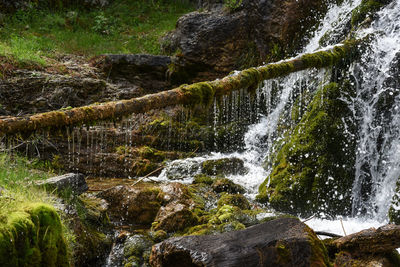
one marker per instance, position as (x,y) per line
(198,93)
(381,240)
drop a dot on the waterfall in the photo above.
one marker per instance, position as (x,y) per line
(376,108)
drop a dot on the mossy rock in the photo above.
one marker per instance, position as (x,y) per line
(225,185)
(225,166)
(314,169)
(236,200)
(33,236)
(136,245)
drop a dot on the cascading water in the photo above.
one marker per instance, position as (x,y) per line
(376,108)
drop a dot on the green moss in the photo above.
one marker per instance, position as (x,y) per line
(198,93)
(313,170)
(237,200)
(201,178)
(366,8)
(33,236)
(276,70)
(323,58)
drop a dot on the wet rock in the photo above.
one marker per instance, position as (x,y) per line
(173,217)
(179,170)
(133,205)
(226,166)
(147,71)
(73,181)
(176,192)
(226,185)
(281,242)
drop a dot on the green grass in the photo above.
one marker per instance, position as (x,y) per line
(127,26)
(16,175)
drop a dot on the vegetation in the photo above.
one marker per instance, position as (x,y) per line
(133,26)
(31,231)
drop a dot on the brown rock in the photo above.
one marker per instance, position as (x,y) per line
(133,205)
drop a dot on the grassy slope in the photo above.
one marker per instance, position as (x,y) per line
(127,26)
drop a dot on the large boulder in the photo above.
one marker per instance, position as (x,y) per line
(211,43)
(281,242)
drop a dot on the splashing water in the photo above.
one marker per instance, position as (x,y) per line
(376,107)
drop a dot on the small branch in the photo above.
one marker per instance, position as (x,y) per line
(327,234)
(147,175)
(341,222)
(309,218)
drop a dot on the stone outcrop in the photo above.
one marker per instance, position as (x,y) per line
(71,181)
(281,242)
(214,42)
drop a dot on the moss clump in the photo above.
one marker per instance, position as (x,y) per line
(226,218)
(366,8)
(236,200)
(32,236)
(313,171)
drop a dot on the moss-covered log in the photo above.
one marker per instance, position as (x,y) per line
(198,93)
